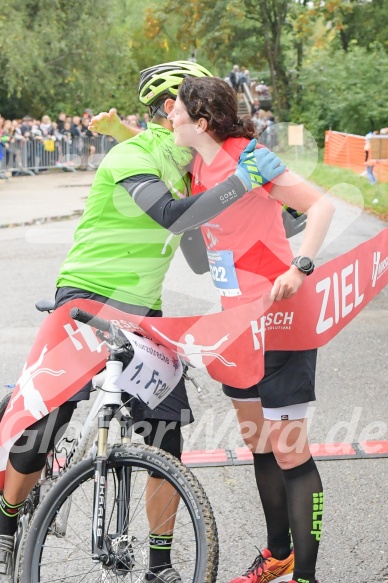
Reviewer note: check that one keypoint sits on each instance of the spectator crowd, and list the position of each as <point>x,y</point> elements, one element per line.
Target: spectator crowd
<point>34,144</point>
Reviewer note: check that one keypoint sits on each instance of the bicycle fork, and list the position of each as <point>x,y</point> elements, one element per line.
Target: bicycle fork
<point>99,546</point>
<point>103,548</point>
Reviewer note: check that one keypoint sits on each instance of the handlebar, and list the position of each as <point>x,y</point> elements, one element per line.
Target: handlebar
<point>105,326</point>
<point>91,320</point>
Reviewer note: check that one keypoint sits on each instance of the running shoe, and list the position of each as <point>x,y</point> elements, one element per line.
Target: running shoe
<point>265,569</point>
<point>168,575</point>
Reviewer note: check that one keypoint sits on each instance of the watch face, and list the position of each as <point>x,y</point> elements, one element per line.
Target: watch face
<point>304,263</point>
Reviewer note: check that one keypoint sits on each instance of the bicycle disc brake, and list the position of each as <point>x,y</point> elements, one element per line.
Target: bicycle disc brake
<point>122,558</point>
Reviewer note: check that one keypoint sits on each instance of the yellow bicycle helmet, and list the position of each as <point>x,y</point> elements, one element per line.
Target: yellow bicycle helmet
<point>166,78</point>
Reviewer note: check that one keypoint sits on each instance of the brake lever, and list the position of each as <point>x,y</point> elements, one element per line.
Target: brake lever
<point>192,379</point>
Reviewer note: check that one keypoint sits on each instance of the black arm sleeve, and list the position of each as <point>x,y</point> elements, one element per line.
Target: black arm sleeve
<point>194,250</point>
<point>154,198</point>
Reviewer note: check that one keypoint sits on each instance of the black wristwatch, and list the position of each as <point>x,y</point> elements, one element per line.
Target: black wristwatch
<point>304,264</point>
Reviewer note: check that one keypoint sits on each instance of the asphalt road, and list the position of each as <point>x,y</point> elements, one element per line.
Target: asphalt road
<point>352,400</point>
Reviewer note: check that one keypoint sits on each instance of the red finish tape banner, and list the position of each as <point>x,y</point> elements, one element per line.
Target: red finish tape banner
<point>230,345</point>
<point>329,298</point>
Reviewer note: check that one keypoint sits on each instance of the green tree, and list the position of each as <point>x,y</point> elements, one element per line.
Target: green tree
<point>347,94</point>
<point>364,21</point>
<point>270,17</point>
<point>73,53</point>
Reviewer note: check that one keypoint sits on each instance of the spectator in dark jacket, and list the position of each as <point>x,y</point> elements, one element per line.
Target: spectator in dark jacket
<point>26,127</point>
<point>75,127</point>
<point>234,77</point>
<point>60,120</point>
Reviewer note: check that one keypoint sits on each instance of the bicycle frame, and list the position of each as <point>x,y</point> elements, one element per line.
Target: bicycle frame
<point>107,405</point>
<point>104,409</point>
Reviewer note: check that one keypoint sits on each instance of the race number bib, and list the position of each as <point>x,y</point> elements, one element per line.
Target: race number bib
<point>223,272</point>
<point>153,372</point>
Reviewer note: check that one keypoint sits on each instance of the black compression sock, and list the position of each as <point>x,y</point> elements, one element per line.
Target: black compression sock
<point>305,508</point>
<point>8,516</point>
<point>160,552</point>
<point>270,483</point>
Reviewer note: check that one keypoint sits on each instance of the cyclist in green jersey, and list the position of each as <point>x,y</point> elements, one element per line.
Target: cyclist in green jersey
<point>120,256</point>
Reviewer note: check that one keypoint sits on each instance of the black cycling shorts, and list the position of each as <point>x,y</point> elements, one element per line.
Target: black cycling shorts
<point>289,379</point>
<point>175,407</point>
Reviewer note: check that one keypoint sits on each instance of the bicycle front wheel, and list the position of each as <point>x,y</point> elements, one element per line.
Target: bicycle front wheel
<point>63,554</point>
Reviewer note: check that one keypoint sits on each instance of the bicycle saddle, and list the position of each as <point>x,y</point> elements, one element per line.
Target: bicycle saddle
<point>45,305</point>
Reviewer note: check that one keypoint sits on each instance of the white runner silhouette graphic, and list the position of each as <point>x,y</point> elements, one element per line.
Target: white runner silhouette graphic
<point>33,401</point>
<point>195,352</point>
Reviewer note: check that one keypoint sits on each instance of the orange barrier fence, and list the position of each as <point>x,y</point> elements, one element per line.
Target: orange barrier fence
<point>347,151</point>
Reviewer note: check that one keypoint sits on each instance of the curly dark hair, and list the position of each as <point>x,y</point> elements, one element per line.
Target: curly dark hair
<point>213,99</point>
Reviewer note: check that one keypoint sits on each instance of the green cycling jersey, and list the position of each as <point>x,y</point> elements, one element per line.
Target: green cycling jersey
<point>119,251</point>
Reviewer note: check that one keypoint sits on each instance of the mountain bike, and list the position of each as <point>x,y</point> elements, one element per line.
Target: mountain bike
<point>89,518</point>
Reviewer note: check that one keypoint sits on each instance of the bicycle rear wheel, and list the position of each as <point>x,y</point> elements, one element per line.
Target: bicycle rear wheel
<point>48,557</point>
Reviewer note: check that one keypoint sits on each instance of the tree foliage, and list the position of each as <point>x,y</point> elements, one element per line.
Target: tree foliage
<point>363,21</point>
<point>347,94</point>
<point>62,53</point>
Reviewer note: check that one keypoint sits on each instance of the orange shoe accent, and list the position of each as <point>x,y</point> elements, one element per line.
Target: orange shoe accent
<point>265,569</point>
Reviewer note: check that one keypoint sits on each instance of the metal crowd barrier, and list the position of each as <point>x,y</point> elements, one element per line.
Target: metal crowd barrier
<point>28,157</point>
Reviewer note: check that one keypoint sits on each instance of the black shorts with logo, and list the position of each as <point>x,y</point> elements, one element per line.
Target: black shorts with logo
<point>289,379</point>
<point>175,407</point>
